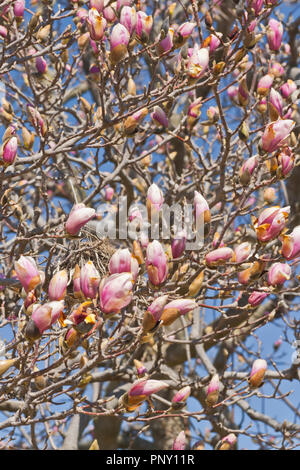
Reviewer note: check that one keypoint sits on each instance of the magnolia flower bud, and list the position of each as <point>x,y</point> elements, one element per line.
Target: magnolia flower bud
<point>9,150</point>
<point>247,170</point>
<point>154,312</point>
<point>109,193</point>
<point>128,18</point>
<point>96,24</point>
<point>122,261</point>
<point>259,368</point>
<point>36,120</point>
<point>178,244</point>
<point>167,43</point>
<point>43,316</point>
<point>6,364</point>
<point>119,40</point>
<point>182,395</point>
<point>212,42</point>
<point>269,195</point>
<point>179,442</point>
<point>115,292</point>
<point>3,31</point>
<point>143,26</point>
<point>286,162</point>
<point>139,391</point>
<point>242,252</point>
<point>276,105</point>
<point>159,117</point>
<point>27,273</point>
<point>41,65</point>
<point>288,88</point>
<point>219,256</point>
<point>212,394</point>
<point>201,208</point>
<point>194,111</point>
<point>243,93</point>
<point>291,244</point>
<point>156,263</point>
<point>228,442</point>
<point>256,298</point>
<point>256,5</point>
<point>19,7</point>
<point>196,284</point>
<point>183,33</point>
<point>276,133</point>
<point>78,217</point>
<point>132,122</point>
<point>279,273</point>
<point>89,280</point>
<point>155,199</point>
<point>175,309</point>
<point>264,84</point>
<point>98,4</point>
<point>58,285</point>
<point>274,34</point>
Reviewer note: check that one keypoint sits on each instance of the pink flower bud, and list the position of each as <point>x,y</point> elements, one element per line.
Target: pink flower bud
<point>194,111</point>
<point>96,24</point>
<point>76,283</point>
<point>178,244</point>
<point>182,395</point>
<point>219,256</point>
<point>123,3</point>
<point>78,217</point>
<point>247,169</point>
<point>279,273</point>
<point>109,14</point>
<point>98,4</point>
<point>153,313</point>
<point>276,133</point>
<point>143,25</point>
<point>256,298</point>
<point>115,292</point>
<point>276,69</point>
<point>183,33</point>
<point>175,309</point>
<point>212,394</point>
<point>19,7</point>
<point>43,316</point>
<point>288,88</point>
<point>122,261</point>
<point>89,280</point>
<point>274,34</point>
<point>27,273</point>
<point>286,161</point>
<point>243,93</point>
<point>271,222</point>
<point>159,117</point>
<point>3,31</point>
<point>119,40</point>
<point>232,92</point>
<point>269,195</point>
<point>256,5</point>
<point>179,443</point>
<point>201,208</point>
<point>140,368</point>
<point>291,244</point>
<point>157,263</point>
<point>41,65</point>
<point>258,371</point>
<point>109,193</point>
<point>197,62</point>
<point>128,18</point>
<point>264,84</point>
<point>167,43</point>
<point>36,120</point>
<point>212,42</point>
<point>277,344</point>
<point>146,387</point>
<point>228,442</point>
<point>242,252</point>
<point>58,285</point>
<point>9,150</point>
<point>277,104</point>
<point>155,198</point>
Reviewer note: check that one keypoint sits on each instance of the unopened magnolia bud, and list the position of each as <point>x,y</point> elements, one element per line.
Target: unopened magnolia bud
<point>196,284</point>
<point>257,373</point>
<point>180,442</point>
<point>228,442</point>
<point>6,364</point>
<point>212,394</point>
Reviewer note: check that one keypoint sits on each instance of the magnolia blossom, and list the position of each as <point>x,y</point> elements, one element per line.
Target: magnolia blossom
<point>9,150</point>
<point>291,244</point>
<point>128,18</point>
<point>276,133</point>
<point>219,256</point>
<point>212,394</point>
<point>123,261</point>
<point>264,84</point>
<point>115,292</point>
<point>274,34</point>
<point>143,25</point>
<point>178,244</point>
<point>139,391</point>
<point>27,272</point>
<point>78,217</point>
<point>89,280</point>
<point>242,252</point>
<point>201,208</point>
<point>288,88</point>
<point>182,395</point>
<point>96,24</point>
<point>271,222</point>
<point>228,442</point>
<point>257,298</point>
<point>279,273</point>
<point>156,263</point>
<point>119,40</point>
<point>159,117</point>
<point>179,442</point>
<point>43,316</point>
<point>174,309</point>
<point>58,285</point>
<point>154,312</point>
<point>247,169</point>
<point>197,62</point>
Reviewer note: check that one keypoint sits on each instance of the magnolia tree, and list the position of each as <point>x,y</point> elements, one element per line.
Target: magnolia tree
<point>150,237</point>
